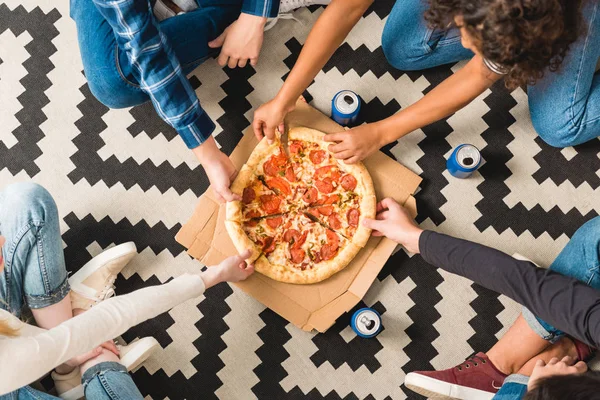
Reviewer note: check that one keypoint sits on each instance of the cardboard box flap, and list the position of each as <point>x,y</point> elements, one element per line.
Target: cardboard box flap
<point>315,306</point>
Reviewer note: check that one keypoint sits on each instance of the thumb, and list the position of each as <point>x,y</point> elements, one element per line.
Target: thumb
<point>218,42</point>
<point>373,224</point>
<point>245,254</point>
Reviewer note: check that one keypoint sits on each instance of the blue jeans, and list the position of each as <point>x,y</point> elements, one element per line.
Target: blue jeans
<point>35,276</point>
<point>564,105</point>
<point>579,259</point>
<point>112,79</point>
<point>103,381</point>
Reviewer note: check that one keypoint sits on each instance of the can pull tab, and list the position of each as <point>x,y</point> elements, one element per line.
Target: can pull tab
<point>368,323</point>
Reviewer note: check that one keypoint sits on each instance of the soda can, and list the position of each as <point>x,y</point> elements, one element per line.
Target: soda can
<point>345,107</point>
<point>366,322</point>
<point>464,160</point>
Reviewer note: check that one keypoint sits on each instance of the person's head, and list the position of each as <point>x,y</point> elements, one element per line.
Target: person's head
<point>573,387</point>
<point>525,37</point>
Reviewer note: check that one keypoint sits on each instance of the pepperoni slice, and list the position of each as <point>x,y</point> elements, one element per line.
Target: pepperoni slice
<point>270,203</point>
<point>310,196</point>
<point>279,184</point>
<point>352,216</point>
<point>280,159</point>
<point>297,255</point>
<point>289,174</point>
<point>300,240</point>
<point>332,199</point>
<point>348,182</point>
<point>251,223</point>
<point>291,234</point>
<point>324,186</point>
<point>334,221</point>
<point>326,210</point>
<point>268,245</point>
<point>295,147</point>
<point>327,252</point>
<point>317,257</point>
<point>333,240</point>
<point>317,156</point>
<point>270,168</point>
<point>248,195</point>
<point>274,222</point>
<point>322,172</point>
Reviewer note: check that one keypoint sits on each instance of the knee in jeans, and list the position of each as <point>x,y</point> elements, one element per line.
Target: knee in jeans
<point>32,198</point>
<point>555,136</point>
<point>400,52</point>
<point>554,127</point>
<point>112,91</point>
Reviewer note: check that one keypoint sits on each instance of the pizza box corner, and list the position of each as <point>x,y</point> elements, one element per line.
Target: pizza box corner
<point>315,306</point>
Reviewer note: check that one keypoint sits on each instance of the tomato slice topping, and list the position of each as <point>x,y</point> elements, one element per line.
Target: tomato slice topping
<point>311,195</point>
<point>289,174</point>
<point>248,195</point>
<point>280,185</point>
<point>274,222</point>
<point>334,221</point>
<point>270,203</point>
<point>348,182</point>
<point>317,156</point>
<point>326,210</point>
<point>352,216</point>
<point>324,186</point>
<point>297,255</point>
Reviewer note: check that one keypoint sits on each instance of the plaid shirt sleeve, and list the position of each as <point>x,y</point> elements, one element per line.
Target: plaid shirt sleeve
<point>261,8</point>
<point>158,68</point>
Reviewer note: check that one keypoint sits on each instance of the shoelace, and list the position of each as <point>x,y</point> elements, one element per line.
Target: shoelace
<point>273,22</point>
<point>471,360</point>
<point>106,293</point>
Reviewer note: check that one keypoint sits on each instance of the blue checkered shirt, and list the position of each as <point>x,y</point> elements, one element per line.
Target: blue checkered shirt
<point>160,74</point>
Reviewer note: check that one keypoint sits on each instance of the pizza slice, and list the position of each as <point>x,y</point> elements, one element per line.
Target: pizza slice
<point>307,252</point>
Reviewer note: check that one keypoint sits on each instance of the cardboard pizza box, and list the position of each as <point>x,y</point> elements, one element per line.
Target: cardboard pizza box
<point>315,306</point>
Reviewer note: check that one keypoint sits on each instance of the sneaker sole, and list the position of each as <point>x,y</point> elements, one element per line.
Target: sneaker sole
<point>436,389</point>
<point>134,358</point>
<point>102,259</point>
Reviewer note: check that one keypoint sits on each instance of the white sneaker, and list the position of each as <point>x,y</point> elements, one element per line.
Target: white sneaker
<point>135,353</point>
<point>286,6</point>
<point>94,282</point>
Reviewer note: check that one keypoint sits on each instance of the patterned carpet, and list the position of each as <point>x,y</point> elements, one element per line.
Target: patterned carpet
<point>120,175</point>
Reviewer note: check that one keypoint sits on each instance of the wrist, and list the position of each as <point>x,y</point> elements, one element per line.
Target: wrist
<point>285,101</point>
<point>212,276</point>
<point>385,131</point>
<point>256,20</point>
<point>207,152</point>
<point>412,244</point>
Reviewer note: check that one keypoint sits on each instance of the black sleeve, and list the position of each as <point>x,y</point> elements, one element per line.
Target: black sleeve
<point>563,302</point>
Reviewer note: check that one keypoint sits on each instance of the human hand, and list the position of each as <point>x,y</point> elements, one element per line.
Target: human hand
<point>241,41</point>
<point>355,144</point>
<point>269,117</point>
<point>219,169</point>
<point>80,359</point>
<point>394,222</point>
<point>232,269</point>
<point>566,366</point>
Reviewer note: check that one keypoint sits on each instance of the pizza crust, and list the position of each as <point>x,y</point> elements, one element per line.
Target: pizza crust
<point>241,241</point>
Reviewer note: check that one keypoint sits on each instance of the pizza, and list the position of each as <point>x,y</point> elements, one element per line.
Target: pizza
<point>301,212</point>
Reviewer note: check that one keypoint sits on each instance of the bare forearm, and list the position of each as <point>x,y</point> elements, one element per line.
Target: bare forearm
<point>447,98</point>
<point>328,33</point>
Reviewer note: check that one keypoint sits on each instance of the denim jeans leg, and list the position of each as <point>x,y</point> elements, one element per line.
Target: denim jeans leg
<point>190,33</point>
<point>34,271</point>
<point>109,381</point>
<point>579,259</point>
<point>514,388</point>
<point>565,105</point>
<point>28,393</point>
<point>409,44</point>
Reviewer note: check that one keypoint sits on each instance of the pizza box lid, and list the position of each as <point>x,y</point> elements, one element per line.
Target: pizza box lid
<point>315,306</point>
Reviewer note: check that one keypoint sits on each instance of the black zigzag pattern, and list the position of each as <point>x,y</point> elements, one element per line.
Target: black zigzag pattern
<point>553,165</point>
<point>22,156</point>
<point>495,212</point>
<point>90,166</point>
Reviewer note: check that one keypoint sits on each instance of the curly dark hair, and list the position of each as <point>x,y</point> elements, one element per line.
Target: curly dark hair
<point>525,37</point>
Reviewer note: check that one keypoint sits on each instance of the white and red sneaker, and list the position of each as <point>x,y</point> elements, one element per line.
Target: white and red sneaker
<point>475,379</point>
